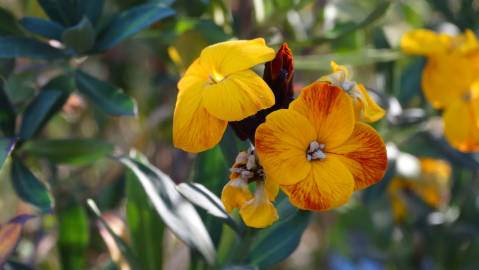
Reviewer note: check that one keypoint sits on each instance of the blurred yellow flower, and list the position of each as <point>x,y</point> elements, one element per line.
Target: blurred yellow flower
<point>432,186</point>
<point>450,80</point>
<point>220,87</point>
<point>317,152</point>
<point>364,106</point>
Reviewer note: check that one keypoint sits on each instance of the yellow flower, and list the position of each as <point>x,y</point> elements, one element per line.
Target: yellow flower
<point>259,212</point>
<point>450,81</point>
<point>432,186</point>
<point>364,106</point>
<point>235,194</point>
<point>317,152</point>
<point>220,87</point>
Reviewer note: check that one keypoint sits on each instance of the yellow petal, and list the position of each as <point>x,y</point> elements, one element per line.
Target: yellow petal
<point>364,154</point>
<point>468,42</point>
<point>232,56</point>
<point>235,194</point>
<point>461,124</point>
<point>238,96</point>
<point>329,185</point>
<point>395,189</point>
<point>281,145</point>
<point>271,187</point>
<point>433,186</point>
<point>194,129</point>
<point>371,111</point>
<point>446,78</point>
<point>259,212</point>
<point>329,109</point>
<point>425,42</point>
<point>196,74</point>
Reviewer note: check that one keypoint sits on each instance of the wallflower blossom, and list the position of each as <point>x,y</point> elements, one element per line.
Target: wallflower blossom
<point>220,87</point>
<point>364,106</point>
<point>256,211</point>
<point>316,150</point>
<point>432,186</point>
<point>450,81</point>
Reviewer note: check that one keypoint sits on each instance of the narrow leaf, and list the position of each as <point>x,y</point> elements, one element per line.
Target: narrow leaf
<point>69,151</point>
<point>54,10</point>
<point>80,37</point>
<point>130,22</point>
<point>202,197</point>
<point>10,234</point>
<point>7,113</point>
<point>177,213</point>
<point>108,98</point>
<point>42,27</point>
<point>12,47</point>
<point>6,147</point>
<point>29,188</point>
<point>8,24</point>
<point>73,236</point>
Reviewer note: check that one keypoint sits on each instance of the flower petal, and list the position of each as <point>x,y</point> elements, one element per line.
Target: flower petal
<point>330,111</point>
<point>271,187</point>
<point>371,111</point>
<point>235,194</point>
<point>364,154</point>
<point>232,56</point>
<point>461,124</point>
<point>194,129</point>
<point>425,42</point>
<point>259,212</point>
<point>238,96</point>
<point>281,145</point>
<point>328,185</point>
<point>194,75</point>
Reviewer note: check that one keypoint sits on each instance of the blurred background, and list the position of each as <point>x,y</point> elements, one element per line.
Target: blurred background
<point>423,215</point>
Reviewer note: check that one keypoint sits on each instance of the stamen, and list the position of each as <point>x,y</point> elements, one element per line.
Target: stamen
<point>315,151</point>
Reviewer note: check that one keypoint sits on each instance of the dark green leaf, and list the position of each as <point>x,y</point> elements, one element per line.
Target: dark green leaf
<point>276,243</point>
<point>7,113</point>
<point>6,147</point>
<point>29,188</point>
<point>42,27</point>
<point>143,222</point>
<point>12,47</point>
<point>6,67</point>
<point>90,8</point>
<point>80,37</point>
<point>177,213</point>
<point>120,243</point>
<point>69,151</point>
<point>10,234</point>
<point>8,24</point>
<point>108,98</point>
<point>130,22</point>
<point>73,236</point>
<point>54,10</point>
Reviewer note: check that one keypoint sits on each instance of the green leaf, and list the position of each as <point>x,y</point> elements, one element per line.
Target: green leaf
<point>29,188</point>
<point>10,234</point>
<point>177,213</point>
<point>40,110</point>
<point>69,151</point>
<point>143,222</point>
<point>6,147</point>
<point>274,244</point>
<point>8,24</point>
<point>90,8</point>
<point>42,27</point>
<point>12,47</point>
<point>130,22</point>
<point>107,97</point>
<point>80,37</point>
<point>7,113</point>
<point>120,243</point>
<point>13,265</point>
<point>73,236</point>
<point>6,67</point>
<point>54,10</point>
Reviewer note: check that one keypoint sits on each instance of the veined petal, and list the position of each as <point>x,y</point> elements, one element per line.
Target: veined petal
<point>328,185</point>
<point>281,145</point>
<point>238,55</point>
<point>425,42</point>
<point>364,154</point>
<point>235,194</point>
<point>461,124</point>
<point>238,96</point>
<point>446,78</point>
<point>194,129</point>
<point>371,111</point>
<point>196,74</point>
<point>330,111</point>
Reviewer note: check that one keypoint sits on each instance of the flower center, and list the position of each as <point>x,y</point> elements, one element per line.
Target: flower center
<point>216,77</point>
<point>315,151</point>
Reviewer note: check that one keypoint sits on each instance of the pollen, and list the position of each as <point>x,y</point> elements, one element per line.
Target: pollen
<point>315,151</point>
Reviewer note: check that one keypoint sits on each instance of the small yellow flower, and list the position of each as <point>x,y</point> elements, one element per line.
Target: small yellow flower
<point>317,152</point>
<point>220,87</point>
<point>259,212</point>
<point>365,107</point>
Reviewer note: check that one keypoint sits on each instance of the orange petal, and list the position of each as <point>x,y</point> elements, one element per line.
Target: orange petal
<point>330,111</point>
<point>461,124</point>
<point>281,145</point>
<point>425,42</point>
<point>328,185</point>
<point>364,154</point>
<point>194,129</point>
